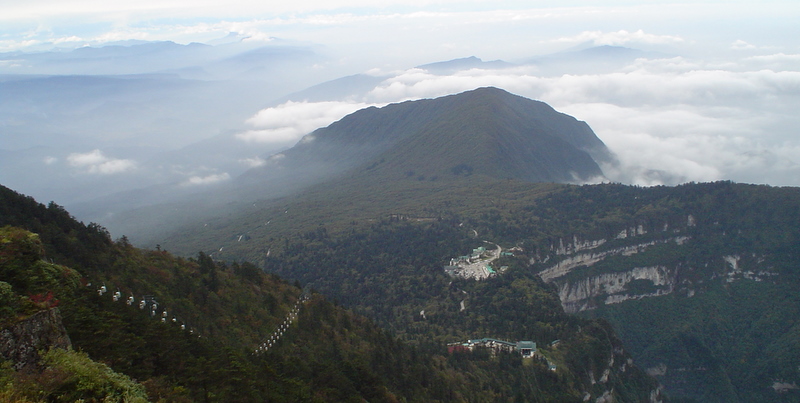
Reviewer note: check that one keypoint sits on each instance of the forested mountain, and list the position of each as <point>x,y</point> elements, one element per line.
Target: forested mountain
<point>483,132</point>
<point>487,131</point>
<point>198,343</point>
<point>698,279</point>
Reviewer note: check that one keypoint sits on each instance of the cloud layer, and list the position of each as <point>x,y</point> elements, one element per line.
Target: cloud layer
<point>669,120</point>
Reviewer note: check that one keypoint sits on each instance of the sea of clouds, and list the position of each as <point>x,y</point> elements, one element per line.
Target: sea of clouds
<point>669,120</point>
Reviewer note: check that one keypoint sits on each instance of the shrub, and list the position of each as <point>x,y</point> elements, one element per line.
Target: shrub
<point>72,376</point>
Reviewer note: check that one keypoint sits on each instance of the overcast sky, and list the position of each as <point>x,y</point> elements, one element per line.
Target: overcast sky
<point>720,104</point>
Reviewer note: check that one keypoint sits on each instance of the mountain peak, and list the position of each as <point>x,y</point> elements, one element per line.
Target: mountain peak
<point>493,132</point>
<point>486,131</point>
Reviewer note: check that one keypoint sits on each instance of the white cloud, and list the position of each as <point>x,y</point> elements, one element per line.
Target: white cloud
<point>67,39</point>
<point>50,160</point>
<point>113,167</point>
<point>741,45</point>
<point>94,162</point>
<point>775,62</point>
<point>10,63</point>
<point>91,158</point>
<point>621,37</point>
<point>778,57</point>
<point>279,135</point>
<point>253,162</point>
<point>288,122</point>
<point>206,180</point>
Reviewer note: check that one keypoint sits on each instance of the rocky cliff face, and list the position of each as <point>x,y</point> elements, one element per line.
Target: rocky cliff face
<point>22,342</point>
<point>582,287</point>
<point>566,265</point>
<point>601,375</point>
<point>579,293</point>
<point>613,288</point>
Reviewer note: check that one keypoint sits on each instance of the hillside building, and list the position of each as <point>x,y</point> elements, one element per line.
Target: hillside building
<point>525,348</point>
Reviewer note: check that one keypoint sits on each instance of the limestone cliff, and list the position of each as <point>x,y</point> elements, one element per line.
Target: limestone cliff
<point>581,285</point>
<point>22,342</point>
<point>564,266</point>
<point>580,295</point>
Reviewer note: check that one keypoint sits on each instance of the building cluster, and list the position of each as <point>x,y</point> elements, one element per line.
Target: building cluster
<point>526,348</point>
<point>475,256</point>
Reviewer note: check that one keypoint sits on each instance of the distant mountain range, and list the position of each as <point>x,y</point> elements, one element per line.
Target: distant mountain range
<point>590,60</point>
<point>236,58</point>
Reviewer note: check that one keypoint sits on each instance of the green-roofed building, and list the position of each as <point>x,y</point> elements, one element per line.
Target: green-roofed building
<point>526,348</point>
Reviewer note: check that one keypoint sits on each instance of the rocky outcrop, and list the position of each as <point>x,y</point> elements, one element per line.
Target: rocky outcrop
<point>566,265</point>
<point>580,295</point>
<point>603,388</point>
<point>587,289</point>
<point>613,287</point>
<point>22,342</point>
<point>576,245</point>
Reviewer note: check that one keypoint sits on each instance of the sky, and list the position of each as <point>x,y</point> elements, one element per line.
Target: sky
<point>494,29</point>
<point>718,101</point>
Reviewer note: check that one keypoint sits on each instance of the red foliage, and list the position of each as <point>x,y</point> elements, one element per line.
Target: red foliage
<point>44,301</point>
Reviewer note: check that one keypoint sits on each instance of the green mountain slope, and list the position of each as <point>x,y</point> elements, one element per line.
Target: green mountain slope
<point>417,157</point>
<point>326,354</point>
<point>698,279</point>
<point>390,269</point>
